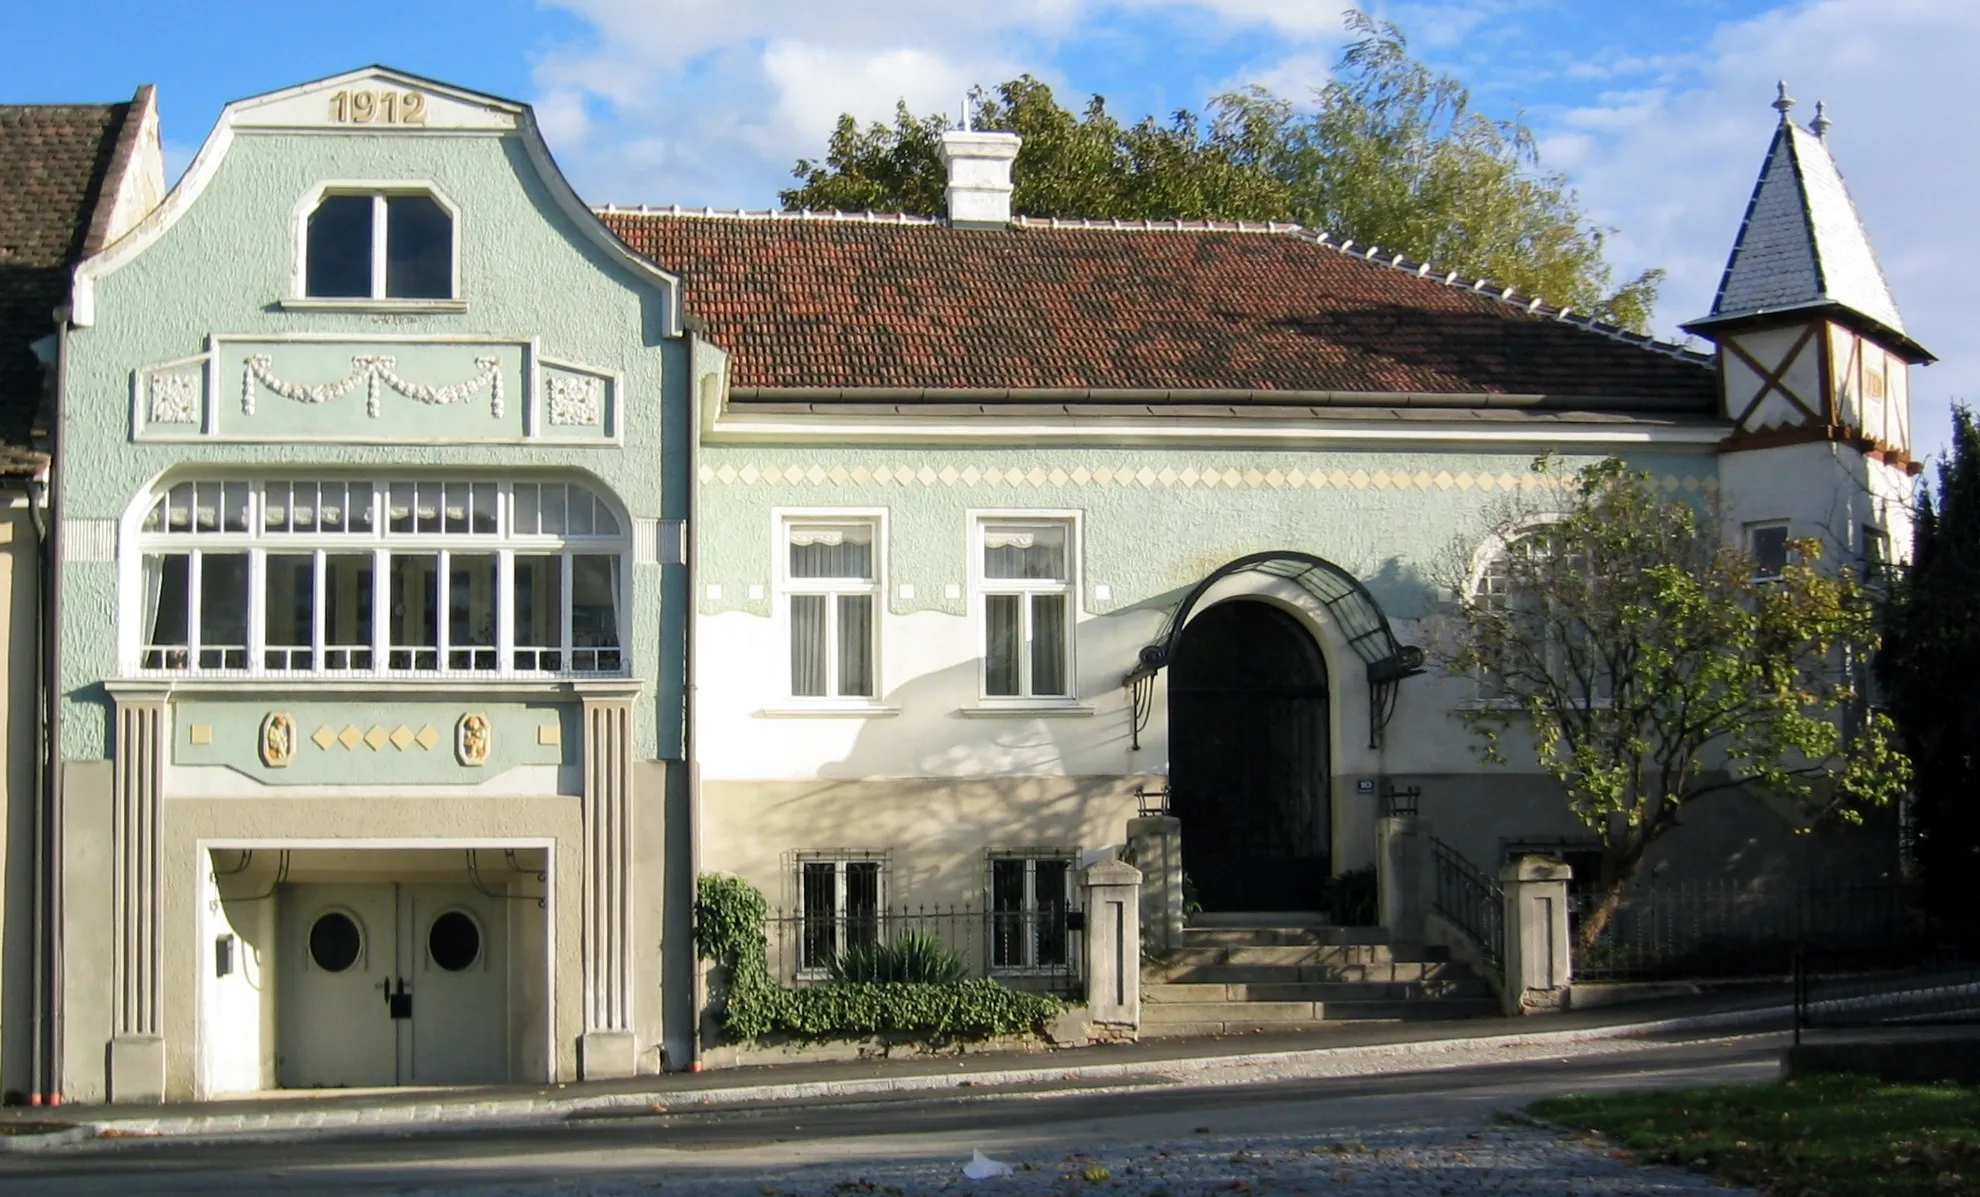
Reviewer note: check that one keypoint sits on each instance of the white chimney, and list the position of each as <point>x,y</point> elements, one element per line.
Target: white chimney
<point>979,177</point>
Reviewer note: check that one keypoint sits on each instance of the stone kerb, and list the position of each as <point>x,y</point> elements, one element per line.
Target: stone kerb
<point>1111,897</point>
<point>1538,965</point>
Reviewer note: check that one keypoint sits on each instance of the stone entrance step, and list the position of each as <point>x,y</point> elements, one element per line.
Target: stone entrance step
<point>1166,993</point>
<point>1258,972</point>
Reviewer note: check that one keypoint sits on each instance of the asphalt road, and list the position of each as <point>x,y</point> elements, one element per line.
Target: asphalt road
<point>832,1145</point>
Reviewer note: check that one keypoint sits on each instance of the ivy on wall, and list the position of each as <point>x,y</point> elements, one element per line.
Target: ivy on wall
<point>728,930</point>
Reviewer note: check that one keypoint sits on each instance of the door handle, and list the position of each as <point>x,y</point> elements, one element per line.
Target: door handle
<point>399,1002</point>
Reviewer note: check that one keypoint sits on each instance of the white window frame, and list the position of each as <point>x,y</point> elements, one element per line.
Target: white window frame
<point>1490,555</point>
<point>504,544</point>
<point>982,587</point>
<point>782,522</point>
<point>1746,535</point>
<point>1029,912</point>
<point>812,969</point>
<point>299,296</point>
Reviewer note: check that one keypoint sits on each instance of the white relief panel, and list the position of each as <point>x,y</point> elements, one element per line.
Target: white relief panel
<point>175,399</point>
<point>576,401</point>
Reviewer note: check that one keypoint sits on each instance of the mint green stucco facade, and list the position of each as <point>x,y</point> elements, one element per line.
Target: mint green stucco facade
<point>503,465</point>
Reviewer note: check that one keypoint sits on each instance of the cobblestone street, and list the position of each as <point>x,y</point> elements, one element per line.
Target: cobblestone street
<point>1441,1160</point>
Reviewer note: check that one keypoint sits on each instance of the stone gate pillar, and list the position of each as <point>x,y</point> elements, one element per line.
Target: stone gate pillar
<point>1155,841</point>
<point>1538,966</point>
<point>1112,898</point>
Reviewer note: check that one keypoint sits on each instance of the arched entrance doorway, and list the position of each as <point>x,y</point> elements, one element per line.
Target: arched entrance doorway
<point>1249,758</point>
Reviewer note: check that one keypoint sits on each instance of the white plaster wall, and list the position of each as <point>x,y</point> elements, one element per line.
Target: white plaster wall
<point>233,1009</point>
<point>1824,490</point>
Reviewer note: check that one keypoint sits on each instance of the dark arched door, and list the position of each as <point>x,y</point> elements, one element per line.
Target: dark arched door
<point>1248,758</point>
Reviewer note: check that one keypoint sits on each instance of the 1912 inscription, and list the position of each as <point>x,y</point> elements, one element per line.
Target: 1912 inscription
<point>384,107</point>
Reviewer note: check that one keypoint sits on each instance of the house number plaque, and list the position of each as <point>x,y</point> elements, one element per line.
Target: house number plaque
<point>364,106</point>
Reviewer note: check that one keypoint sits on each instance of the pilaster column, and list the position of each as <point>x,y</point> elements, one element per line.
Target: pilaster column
<point>608,1048</point>
<point>137,1046</point>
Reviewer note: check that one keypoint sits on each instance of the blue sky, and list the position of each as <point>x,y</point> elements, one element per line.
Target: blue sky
<point>1657,109</point>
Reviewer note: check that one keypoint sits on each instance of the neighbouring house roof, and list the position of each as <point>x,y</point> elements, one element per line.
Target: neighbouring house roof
<point>825,305</point>
<point>1802,245</point>
<point>55,161</point>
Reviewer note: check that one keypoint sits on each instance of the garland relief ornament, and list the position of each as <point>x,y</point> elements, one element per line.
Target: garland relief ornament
<point>375,372</point>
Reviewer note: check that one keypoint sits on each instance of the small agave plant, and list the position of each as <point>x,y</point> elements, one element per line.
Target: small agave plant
<point>910,956</point>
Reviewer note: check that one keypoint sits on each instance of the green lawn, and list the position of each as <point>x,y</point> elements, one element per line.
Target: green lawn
<point>1833,1136</point>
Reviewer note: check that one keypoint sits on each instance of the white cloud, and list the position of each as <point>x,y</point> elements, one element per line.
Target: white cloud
<point>711,101</point>
<point>1672,166</point>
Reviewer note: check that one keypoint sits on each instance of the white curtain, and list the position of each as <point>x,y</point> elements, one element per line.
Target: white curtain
<point>808,645</point>
<point>856,645</point>
<point>832,552</point>
<point>1048,644</point>
<point>1037,554</point>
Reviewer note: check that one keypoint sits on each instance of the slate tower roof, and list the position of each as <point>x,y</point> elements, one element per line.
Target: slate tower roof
<point>1802,246</point>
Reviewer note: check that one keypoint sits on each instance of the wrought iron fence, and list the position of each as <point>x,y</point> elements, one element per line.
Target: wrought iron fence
<point>1726,928</point>
<point>1471,900</point>
<point>1039,948</point>
<point>1860,987</point>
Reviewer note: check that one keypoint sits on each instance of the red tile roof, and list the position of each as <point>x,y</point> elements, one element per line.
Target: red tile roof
<point>53,161</point>
<point>824,302</point>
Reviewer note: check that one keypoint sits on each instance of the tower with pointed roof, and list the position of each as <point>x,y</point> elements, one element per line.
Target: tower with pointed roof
<point>1814,358</point>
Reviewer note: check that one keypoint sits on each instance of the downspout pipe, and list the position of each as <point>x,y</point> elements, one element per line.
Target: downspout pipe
<point>50,1023</point>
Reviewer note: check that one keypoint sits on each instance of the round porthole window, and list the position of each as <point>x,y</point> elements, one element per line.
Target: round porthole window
<point>454,941</point>
<point>334,942</point>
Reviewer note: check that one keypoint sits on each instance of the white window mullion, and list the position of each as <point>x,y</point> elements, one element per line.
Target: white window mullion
<point>381,609</point>
<point>319,585</point>
<point>378,246</point>
<point>564,615</point>
<point>505,604</point>
<point>831,644</point>
<point>193,570</point>
<point>443,588</point>
<point>257,600</point>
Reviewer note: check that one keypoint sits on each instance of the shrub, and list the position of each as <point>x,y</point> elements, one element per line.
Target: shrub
<point>1351,899</point>
<point>912,957</point>
<point>728,929</point>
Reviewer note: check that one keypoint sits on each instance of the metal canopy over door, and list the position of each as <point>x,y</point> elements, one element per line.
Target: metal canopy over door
<point>1249,758</point>
<point>384,984</point>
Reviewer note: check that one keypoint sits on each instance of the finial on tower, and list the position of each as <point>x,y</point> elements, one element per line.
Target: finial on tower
<point>1820,125</point>
<point>971,99</point>
<point>1783,102</point>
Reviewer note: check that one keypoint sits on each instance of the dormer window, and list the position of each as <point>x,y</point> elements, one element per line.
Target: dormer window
<point>379,245</point>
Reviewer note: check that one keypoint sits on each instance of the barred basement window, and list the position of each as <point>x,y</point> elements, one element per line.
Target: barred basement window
<point>1030,894</point>
<point>405,577</point>
<point>839,897</point>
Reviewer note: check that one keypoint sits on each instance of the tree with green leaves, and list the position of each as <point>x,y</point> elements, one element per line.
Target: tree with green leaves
<point>1390,152</point>
<point>1647,668</point>
<point>1931,656</point>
